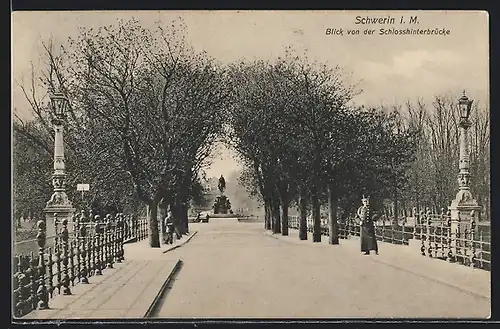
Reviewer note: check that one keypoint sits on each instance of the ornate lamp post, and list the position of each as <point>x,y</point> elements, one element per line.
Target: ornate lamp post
<point>463,203</point>
<point>59,202</point>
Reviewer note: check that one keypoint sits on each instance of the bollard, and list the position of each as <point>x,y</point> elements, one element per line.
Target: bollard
<point>43,297</point>
<point>65,237</point>
<point>83,273</point>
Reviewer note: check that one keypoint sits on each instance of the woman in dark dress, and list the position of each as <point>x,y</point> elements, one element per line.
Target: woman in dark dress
<point>367,234</point>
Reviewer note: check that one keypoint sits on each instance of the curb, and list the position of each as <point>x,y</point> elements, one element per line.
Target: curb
<point>158,297</point>
<point>181,244</point>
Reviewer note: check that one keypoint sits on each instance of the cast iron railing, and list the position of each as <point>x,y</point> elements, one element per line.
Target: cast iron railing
<point>80,249</point>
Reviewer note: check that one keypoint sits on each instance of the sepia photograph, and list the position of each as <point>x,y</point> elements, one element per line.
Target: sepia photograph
<point>255,164</point>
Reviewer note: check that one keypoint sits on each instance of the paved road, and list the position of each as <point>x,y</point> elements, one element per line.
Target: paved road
<point>233,270</point>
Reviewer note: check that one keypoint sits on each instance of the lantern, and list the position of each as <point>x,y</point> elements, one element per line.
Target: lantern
<point>59,104</point>
<point>464,104</point>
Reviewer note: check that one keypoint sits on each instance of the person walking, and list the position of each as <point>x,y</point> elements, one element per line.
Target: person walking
<point>367,234</point>
<point>169,228</point>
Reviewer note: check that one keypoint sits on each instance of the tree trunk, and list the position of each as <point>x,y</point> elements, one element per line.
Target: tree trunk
<point>154,237</point>
<point>275,208</point>
<point>284,216</point>
<point>267,214</point>
<point>302,214</point>
<point>176,213</point>
<point>396,207</point>
<point>333,237</point>
<point>163,214</point>
<point>184,217</point>
<point>316,212</point>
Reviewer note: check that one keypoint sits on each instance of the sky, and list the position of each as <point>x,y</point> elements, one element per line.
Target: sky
<point>388,69</point>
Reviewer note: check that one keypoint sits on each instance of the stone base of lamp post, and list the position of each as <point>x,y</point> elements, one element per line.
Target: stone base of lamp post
<point>62,213</point>
<point>463,204</point>
<point>460,213</point>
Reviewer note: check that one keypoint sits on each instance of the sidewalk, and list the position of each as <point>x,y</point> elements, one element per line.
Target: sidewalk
<point>129,290</point>
<point>136,249</point>
<point>476,282</point>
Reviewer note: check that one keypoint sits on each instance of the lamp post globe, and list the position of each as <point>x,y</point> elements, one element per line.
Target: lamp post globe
<point>464,104</point>
<point>59,104</point>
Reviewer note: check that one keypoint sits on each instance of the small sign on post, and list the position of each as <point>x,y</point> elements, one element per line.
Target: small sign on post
<point>82,187</point>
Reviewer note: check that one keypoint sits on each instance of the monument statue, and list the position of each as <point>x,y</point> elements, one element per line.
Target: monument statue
<point>222,184</point>
<point>221,203</point>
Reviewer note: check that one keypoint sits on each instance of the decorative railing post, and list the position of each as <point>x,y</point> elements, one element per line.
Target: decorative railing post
<point>65,237</point>
<point>82,234</point>
<point>121,223</point>
<point>43,296</point>
<point>109,242</point>
<point>429,230</point>
<point>423,219</point>
<point>138,224</point>
<point>32,274</point>
<point>393,224</point>
<point>19,279</point>
<point>456,238</point>
<point>90,251</point>
<point>415,221</point>
<point>50,274</point>
<point>135,229</point>
<point>97,247</point>
<point>76,230</point>
<point>449,254</point>
<point>116,240</point>
<point>102,244</point>
<point>71,255</point>
<point>472,257</point>
<point>442,223</point>
<point>481,246</point>
<point>142,229</point>
<point>383,229</point>
<point>58,253</point>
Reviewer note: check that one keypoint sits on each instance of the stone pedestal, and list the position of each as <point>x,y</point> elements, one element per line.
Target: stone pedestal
<point>62,212</point>
<point>461,208</point>
<point>221,205</point>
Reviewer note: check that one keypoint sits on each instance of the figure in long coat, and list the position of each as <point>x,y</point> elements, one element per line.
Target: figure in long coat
<point>367,234</point>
